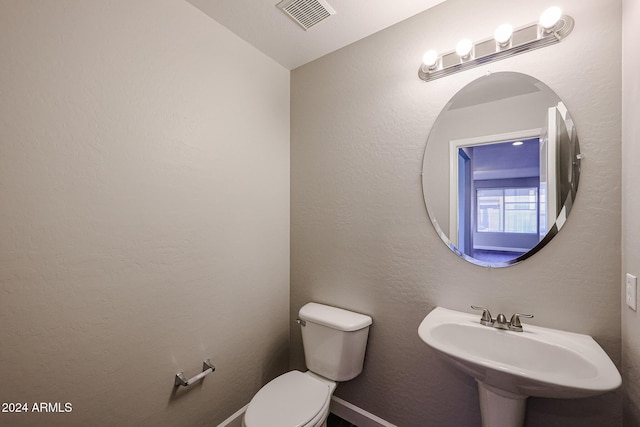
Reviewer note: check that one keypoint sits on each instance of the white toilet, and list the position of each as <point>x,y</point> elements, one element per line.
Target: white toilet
<point>334,345</point>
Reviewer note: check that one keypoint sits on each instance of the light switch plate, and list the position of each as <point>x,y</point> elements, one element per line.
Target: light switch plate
<point>632,286</point>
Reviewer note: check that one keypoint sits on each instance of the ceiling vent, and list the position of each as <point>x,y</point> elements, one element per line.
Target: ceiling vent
<point>306,13</point>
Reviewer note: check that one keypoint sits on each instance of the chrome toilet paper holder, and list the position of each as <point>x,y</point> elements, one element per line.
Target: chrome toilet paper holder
<point>207,368</point>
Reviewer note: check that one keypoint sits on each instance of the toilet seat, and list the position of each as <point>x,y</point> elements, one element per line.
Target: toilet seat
<point>293,399</point>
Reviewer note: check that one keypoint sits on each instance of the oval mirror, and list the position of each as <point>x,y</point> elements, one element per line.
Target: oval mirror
<point>501,169</point>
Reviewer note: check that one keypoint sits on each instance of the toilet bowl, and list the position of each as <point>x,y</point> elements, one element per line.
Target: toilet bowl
<point>334,342</point>
<point>292,399</point>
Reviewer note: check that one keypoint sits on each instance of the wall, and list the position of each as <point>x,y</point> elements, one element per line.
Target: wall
<point>630,206</point>
<point>144,213</point>
<point>361,238</point>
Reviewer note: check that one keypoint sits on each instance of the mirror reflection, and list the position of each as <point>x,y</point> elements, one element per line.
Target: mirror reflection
<point>501,169</point>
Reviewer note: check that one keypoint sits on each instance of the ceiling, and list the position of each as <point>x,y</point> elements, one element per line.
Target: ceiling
<point>266,27</point>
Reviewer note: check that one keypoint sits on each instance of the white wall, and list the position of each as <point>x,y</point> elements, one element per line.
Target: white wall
<point>361,238</point>
<point>630,205</point>
<point>144,213</point>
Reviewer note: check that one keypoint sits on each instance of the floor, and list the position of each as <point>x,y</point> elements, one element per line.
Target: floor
<point>495,256</point>
<point>336,421</point>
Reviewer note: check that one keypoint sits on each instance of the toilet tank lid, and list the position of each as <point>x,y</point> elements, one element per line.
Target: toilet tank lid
<point>333,317</point>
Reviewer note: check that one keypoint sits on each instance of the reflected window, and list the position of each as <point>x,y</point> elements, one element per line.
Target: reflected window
<point>507,210</point>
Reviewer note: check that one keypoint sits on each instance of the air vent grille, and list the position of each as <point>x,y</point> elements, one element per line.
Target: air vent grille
<point>306,13</point>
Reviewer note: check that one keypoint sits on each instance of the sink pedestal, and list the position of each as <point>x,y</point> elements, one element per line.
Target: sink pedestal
<point>500,408</point>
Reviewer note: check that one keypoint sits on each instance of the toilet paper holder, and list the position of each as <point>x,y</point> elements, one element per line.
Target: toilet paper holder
<point>207,368</point>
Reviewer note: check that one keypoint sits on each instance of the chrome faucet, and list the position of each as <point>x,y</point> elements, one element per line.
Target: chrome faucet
<point>500,322</point>
<point>486,318</point>
<point>514,323</point>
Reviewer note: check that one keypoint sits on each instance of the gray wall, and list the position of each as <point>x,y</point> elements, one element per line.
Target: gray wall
<point>630,205</point>
<point>144,213</point>
<point>360,236</point>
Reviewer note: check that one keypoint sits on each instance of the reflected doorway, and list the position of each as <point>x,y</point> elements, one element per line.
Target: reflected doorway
<point>498,198</point>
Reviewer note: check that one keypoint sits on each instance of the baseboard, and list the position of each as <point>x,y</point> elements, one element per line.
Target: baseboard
<point>355,415</point>
<point>234,420</point>
<point>341,408</point>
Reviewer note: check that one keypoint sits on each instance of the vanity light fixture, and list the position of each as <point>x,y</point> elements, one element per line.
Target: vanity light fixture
<point>552,27</point>
<point>430,59</point>
<point>464,48</point>
<point>550,18</point>
<point>503,34</point>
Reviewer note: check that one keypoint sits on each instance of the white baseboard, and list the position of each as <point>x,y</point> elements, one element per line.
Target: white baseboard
<point>234,420</point>
<point>341,408</point>
<point>355,415</point>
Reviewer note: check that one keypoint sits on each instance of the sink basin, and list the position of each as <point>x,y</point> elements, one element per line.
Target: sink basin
<point>509,365</point>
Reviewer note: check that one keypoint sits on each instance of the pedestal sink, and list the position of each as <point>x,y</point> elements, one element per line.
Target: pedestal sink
<point>511,366</point>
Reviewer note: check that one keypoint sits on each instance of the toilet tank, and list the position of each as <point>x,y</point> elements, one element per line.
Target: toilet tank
<point>334,340</point>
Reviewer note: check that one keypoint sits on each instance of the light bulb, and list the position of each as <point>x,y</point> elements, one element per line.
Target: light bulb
<point>430,59</point>
<point>550,17</point>
<point>503,34</point>
<point>463,48</point>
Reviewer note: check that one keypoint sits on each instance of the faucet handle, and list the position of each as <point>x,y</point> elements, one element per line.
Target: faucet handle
<point>486,318</point>
<point>514,323</point>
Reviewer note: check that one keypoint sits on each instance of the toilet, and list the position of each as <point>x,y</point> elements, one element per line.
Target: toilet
<point>334,343</point>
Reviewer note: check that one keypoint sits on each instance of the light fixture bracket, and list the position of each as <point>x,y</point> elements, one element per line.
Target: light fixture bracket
<point>524,39</point>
